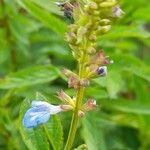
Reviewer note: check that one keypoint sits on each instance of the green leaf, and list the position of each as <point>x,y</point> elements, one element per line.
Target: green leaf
<point>49,6</point>
<point>54,130</point>
<point>112,82</point>
<point>131,64</point>
<point>96,92</point>
<point>18,30</point>
<point>123,65</point>
<point>42,136</point>
<point>29,76</point>
<point>141,14</point>
<point>126,119</point>
<point>92,136</point>
<point>45,17</point>
<point>126,106</point>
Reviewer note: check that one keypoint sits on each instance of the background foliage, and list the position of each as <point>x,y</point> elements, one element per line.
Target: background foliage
<point>33,50</point>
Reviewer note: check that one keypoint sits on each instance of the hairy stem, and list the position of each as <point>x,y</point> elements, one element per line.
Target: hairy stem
<point>74,122</point>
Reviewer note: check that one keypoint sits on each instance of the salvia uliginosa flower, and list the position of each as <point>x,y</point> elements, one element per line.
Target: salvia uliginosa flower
<point>102,71</point>
<point>40,113</point>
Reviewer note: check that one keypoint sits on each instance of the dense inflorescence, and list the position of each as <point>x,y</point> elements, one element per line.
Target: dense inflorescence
<point>89,19</point>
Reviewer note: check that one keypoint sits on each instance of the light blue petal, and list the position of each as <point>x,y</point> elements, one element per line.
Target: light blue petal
<point>40,103</point>
<point>35,116</point>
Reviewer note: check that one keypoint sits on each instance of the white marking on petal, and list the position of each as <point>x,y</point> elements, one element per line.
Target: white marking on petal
<point>55,109</point>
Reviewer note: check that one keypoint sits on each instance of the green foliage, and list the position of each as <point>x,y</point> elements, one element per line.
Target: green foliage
<point>91,136</point>
<point>32,51</point>
<point>49,20</point>
<point>27,77</point>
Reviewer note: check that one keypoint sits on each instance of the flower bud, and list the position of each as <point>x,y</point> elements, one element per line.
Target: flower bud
<point>81,113</point>
<point>66,107</point>
<point>65,98</point>
<point>117,12</point>
<point>102,71</point>
<point>99,58</point>
<point>70,37</point>
<point>91,50</point>
<point>73,79</point>
<point>91,71</point>
<point>87,8</point>
<point>77,54</point>
<point>89,105</point>
<point>73,82</point>
<point>80,34</point>
<point>108,3</point>
<point>84,82</point>
<point>104,29</point>
<point>92,37</point>
<point>104,21</point>
<point>67,8</point>
<point>96,12</point>
<point>68,73</point>
<point>93,5</point>
<point>89,24</point>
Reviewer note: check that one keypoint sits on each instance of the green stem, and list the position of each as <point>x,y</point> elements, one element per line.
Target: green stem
<point>74,122</point>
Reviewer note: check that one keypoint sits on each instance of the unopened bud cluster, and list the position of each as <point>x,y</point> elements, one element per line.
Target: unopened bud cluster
<point>90,20</point>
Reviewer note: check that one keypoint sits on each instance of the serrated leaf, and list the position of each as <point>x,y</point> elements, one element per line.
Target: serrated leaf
<point>92,136</point>
<point>55,133</point>
<point>45,17</point>
<point>43,136</point>
<point>29,76</point>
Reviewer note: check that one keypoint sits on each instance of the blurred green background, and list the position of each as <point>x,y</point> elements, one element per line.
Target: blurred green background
<point>32,52</point>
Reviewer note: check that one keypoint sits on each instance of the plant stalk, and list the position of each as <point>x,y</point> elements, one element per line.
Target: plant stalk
<point>74,122</point>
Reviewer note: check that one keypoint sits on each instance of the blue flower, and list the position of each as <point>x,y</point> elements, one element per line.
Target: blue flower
<point>39,113</point>
<point>102,71</point>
